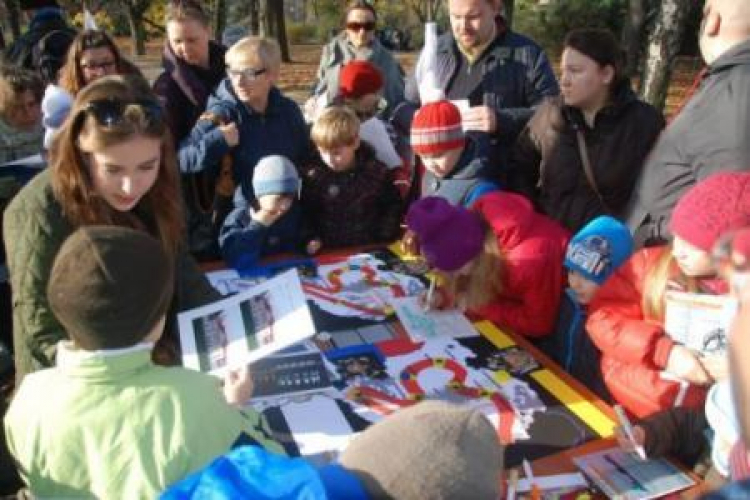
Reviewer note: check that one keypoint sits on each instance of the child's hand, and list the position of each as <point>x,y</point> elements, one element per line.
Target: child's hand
<point>639,434</point>
<point>313,246</point>
<point>410,243</point>
<point>717,366</point>
<point>685,364</point>
<point>265,217</point>
<point>435,302</point>
<point>238,386</point>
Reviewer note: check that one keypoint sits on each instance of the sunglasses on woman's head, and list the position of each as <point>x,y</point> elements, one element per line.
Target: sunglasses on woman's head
<point>111,112</point>
<point>355,26</point>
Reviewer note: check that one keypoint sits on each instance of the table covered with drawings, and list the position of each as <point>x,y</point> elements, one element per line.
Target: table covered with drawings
<point>371,365</point>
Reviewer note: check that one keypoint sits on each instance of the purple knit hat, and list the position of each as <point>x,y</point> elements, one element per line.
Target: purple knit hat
<point>449,236</point>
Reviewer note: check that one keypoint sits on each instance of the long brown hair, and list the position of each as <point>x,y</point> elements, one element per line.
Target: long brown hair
<point>658,280</point>
<point>160,209</point>
<point>71,74</point>
<point>485,279</point>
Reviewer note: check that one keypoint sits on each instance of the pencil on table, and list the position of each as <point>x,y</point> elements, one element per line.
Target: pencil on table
<point>430,293</point>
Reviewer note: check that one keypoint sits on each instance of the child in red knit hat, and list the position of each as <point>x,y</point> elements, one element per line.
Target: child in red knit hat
<point>644,369</point>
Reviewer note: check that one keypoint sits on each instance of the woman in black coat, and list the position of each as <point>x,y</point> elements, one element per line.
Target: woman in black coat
<point>598,116</point>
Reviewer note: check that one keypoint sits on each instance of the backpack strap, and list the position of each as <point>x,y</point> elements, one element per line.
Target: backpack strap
<point>587,170</point>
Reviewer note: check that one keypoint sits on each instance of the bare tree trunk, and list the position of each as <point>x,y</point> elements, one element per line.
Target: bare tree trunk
<point>663,46</point>
<point>14,16</point>
<point>254,18</point>
<point>135,11</point>
<point>219,18</point>
<point>280,29</point>
<point>632,35</point>
<point>509,6</point>
<point>264,18</point>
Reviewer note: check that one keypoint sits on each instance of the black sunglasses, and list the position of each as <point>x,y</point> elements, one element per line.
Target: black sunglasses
<point>110,112</point>
<point>355,26</point>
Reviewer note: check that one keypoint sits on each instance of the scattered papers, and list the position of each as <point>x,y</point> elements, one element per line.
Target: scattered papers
<point>245,327</point>
<point>374,133</point>
<point>228,281</point>
<point>421,324</point>
<point>699,321</point>
<point>557,481</point>
<point>624,476</point>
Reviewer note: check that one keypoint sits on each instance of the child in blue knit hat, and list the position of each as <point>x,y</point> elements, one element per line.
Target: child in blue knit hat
<point>269,224</point>
<point>592,256</point>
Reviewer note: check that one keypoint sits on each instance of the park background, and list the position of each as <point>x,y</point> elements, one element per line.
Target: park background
<point>659,38</point>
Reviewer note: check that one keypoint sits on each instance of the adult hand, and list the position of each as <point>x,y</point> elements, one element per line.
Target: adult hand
<point>717,366</point>
<point>238,386</point>
<point>684,363</point>
<point>231,134</point>
<point>480,118</point>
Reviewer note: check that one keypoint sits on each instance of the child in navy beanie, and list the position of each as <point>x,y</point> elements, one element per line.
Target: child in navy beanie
<point>592,256</point>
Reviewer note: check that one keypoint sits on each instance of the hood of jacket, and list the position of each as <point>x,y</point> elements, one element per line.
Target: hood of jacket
<point>510,216</point>
<point>185,76</point>
<point>739,54</point>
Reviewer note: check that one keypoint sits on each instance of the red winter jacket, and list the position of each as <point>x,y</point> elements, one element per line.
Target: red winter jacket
<point>635,348</point>
<point>533,248</point>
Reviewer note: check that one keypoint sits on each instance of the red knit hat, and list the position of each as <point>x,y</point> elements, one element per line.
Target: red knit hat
<point>436,128</point>
<point>718,204</point>
<point>358,78</point>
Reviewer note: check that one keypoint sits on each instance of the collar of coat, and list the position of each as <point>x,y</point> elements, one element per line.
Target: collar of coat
<point>185,76</point>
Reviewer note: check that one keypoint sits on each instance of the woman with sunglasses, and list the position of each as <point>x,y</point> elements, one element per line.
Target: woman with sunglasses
<point>112,163</point>
<point>357,41</point>
<point>91,56</point>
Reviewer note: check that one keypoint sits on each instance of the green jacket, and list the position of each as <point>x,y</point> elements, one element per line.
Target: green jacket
<point>34,229</point>
<point>111,424</point>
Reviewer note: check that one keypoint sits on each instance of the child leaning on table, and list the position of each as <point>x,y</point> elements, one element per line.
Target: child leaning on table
<point>593,254</point>
<point>272,223</point>
<point>500,261</point>
<point>626,317</point>
<point>107,422</point>
<point>348,196</point>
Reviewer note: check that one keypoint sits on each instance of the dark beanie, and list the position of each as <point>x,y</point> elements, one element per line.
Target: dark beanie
<point>432,450</point>
<point>109,286</point>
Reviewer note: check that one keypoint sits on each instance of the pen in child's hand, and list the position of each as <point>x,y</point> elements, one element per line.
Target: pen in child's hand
<point>430,292</point>
<point>628,428</point>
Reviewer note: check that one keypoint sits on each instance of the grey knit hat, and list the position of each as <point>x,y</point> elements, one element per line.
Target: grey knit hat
<point>275,175</point>
<point>432,450</point>
<point>109,286</point>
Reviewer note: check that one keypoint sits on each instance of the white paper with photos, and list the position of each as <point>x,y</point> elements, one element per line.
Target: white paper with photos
<point>242,328</point>
<point>699,321</point>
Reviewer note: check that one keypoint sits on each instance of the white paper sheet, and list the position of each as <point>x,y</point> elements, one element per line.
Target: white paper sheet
<point>421,324</point>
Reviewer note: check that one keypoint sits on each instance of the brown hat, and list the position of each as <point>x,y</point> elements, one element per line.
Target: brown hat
<point>109,286</point>
<point>432,450</point>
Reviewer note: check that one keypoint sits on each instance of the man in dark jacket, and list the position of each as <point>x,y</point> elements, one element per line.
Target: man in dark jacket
<point>711,134</point>
<point>500,73</point>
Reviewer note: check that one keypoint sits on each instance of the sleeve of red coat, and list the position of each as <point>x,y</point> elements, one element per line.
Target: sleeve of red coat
<point>616,322</point>
<point>533,286</point>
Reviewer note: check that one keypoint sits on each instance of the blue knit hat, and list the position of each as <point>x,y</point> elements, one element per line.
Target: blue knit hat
<point>275,175</point>
<point>599,248</point>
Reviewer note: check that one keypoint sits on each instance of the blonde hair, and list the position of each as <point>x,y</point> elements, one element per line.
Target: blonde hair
<point>259,51</point>
<point>485,279</point>
<point>657,282</point>
<point>337,126</point>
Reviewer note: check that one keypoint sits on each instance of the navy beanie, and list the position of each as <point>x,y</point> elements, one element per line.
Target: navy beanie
<point>599,248</point>
<point>275,175</point>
